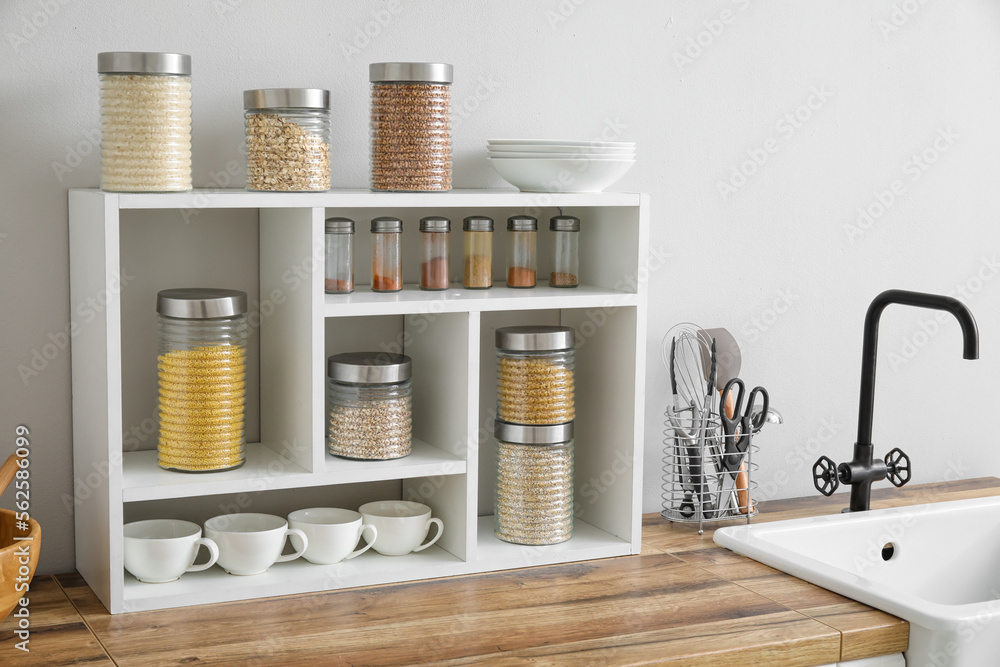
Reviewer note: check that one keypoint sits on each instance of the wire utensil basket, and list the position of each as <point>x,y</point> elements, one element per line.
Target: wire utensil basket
<point>702,482</point>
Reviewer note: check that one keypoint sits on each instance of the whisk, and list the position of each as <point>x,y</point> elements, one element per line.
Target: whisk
<point>688,353</point>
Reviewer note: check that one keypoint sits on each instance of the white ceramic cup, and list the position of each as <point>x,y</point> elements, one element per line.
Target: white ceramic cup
<point>161,550</point>
<point>333,533</point>
<point>249,543</point>
<point>402,526</point>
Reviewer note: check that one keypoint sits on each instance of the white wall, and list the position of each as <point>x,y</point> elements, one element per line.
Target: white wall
<point>551,68</point>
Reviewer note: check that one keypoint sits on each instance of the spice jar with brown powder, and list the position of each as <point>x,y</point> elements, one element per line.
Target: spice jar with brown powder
<point>535,374</point>
<point>339,259</point>
<point>387,262</point>
<point>478,252</point>
<point>565,251</point>
<point>522,259</point>
<point>434,233</point>
<point>202,378</point>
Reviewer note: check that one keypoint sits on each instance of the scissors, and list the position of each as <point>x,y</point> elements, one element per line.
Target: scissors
<point>737,431</point>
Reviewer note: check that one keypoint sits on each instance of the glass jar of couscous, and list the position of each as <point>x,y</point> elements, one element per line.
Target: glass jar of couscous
<point>202,378</point>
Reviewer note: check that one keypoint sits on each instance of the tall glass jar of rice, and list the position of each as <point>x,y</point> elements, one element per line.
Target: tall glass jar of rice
<point>202,378</point>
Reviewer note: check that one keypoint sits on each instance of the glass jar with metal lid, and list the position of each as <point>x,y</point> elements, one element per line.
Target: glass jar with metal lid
<point>339,269</point>
<point>288,139</point>
<point>369,396</point>
<point>534,493</point>
<point>478,252</point>
<point>202,378</point>
<point>145,121</point>
<point>387,259</point>
<point>434,233</point>
<point>565,251</point>
<point>535,367</point>
<point>411,126</point>
<point>522,258</point>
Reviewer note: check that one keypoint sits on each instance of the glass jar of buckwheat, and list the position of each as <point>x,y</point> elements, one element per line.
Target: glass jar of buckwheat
<point>411,126</point>
<point>535,374</point>
<point>202,378</point>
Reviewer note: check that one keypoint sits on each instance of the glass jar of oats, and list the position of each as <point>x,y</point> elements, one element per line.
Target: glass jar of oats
<point>288,139</point>
<point>145,121</point>
<point>411,126</point>
<point>370,402</point>
<point>535,374</point>
<point>202,378</point>
<point>534,493</point>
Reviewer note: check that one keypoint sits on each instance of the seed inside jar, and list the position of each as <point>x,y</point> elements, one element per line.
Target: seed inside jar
<point>534,391</point>
<point>371,429</point>
<point>284,156</point>
<point>411,136</point>
<point>534,493</point>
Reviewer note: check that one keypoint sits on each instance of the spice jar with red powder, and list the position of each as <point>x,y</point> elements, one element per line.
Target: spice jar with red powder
<point>387,263</point>
<point>521,250</point>
<point>434,233</point>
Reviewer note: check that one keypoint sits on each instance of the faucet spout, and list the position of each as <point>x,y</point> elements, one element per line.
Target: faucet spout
<point>970,348</point>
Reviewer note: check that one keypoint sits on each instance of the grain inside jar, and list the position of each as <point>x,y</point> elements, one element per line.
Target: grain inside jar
<point>411,126</point>
<point>369,396</point>
<point>535,375</point>
<point>288,139</point>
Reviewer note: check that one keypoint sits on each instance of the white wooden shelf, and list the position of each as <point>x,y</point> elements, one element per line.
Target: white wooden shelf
<point>124,248</point>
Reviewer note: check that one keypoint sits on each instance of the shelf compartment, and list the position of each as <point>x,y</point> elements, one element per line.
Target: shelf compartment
<point>414,301</point>
<point>266,470</point>
<point>298,576</point>
<point>587,543</point>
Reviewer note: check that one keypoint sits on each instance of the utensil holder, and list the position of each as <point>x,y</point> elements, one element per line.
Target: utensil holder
<point>698,483</point>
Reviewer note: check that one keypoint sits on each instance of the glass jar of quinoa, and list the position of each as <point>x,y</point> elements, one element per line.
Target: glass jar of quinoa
<point>411,126</point>
<point>202,378</point>
<point>535,374</point>
<point>145,121</point>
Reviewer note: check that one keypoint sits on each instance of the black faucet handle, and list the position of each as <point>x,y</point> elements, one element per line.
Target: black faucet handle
<point>897,467</point>
<point>825,477</point>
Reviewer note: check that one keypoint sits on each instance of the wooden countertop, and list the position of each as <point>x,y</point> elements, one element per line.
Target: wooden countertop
<point>683,601</point>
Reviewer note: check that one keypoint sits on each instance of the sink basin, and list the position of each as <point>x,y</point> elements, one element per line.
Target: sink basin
<point>936,566</point>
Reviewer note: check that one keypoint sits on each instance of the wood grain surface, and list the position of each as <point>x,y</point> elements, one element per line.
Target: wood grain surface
<point>683,601</point>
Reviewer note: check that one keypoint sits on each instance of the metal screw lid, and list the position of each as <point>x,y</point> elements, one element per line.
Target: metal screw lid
<point>143,62</point>
<point>522,434</point>
<point>411,72</point>
<point>564,223</point>
<point>387,224</point>
<point>339,226</point>
<point>532,338</point>
<point>200,303</point>
<point>477,223</point>
<point>435,223</point>
<point>369,367</point>
<point>522,223</point>
<point>286,98</point>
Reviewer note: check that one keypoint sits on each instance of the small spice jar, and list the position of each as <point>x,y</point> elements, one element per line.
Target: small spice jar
<point>370,400</point>
<point>478,252</point>
<point>145,121</point>
<point>202,378</point>
<point>339,274</point>
<point>411,126</point>
<point>387,261</point>
<point>565,251</point>
<point>534,493</point>
<point>535,374</point>
<point>522,257</point>
<point>288,139</point>
<point>434,233</point>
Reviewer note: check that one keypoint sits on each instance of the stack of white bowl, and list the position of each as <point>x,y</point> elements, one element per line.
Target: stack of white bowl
<point>540,165</point>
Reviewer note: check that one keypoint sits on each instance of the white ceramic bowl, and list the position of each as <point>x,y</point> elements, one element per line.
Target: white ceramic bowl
<point>560,175</point>
<point>549,142</point>
<point>582,149</point>
<point>560,156</point>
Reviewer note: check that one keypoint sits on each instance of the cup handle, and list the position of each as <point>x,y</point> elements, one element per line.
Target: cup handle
<point>371,540</point>
<point>213,554</point>
<point>440,525</point>
<point>294,532</point>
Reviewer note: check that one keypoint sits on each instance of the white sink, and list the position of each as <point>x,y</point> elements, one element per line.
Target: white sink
<point>942,575</point>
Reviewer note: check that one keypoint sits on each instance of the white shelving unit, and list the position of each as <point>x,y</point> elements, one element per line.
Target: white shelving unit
<point>126,247</point>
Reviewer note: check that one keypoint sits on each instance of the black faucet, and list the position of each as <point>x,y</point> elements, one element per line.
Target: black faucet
<point>865,469</point>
